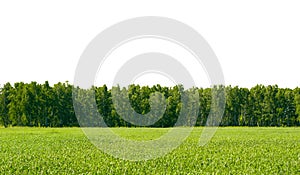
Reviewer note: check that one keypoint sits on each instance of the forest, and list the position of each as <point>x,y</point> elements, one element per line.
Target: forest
<point>41,105</point>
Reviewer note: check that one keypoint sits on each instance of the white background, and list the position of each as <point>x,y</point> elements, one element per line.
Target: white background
<point>257,42</point>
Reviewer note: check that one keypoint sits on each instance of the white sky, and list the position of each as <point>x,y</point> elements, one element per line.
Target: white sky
<point>256,42</point>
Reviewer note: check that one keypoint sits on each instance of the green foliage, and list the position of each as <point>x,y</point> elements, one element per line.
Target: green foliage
<point>33,104</point>
<point>36,104</point>
<point>233,150</point>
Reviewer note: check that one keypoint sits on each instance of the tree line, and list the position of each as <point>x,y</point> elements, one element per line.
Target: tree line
<point>42,105</point>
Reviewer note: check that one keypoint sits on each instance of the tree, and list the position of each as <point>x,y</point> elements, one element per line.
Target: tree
<point>33,104</point>
<point>297,105</point>
<point>4,102</point>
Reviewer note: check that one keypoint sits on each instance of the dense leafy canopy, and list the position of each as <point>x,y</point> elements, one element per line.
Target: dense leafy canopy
<point>33,104</point>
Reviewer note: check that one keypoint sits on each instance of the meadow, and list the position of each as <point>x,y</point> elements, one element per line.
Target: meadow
<point>233,150</point>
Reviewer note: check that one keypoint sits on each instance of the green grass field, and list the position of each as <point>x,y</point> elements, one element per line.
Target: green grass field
<point>232,150</point>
